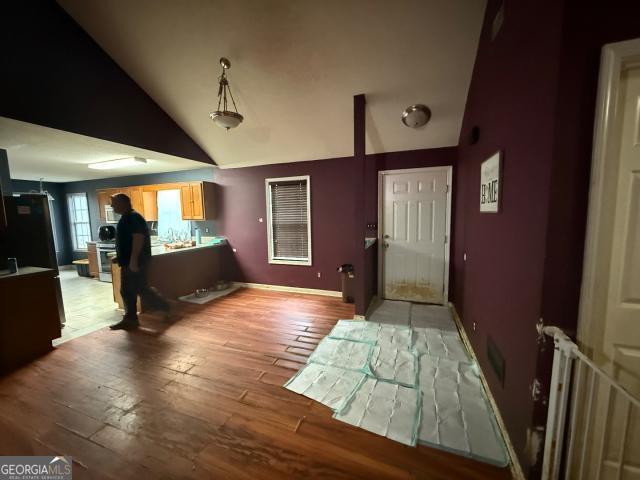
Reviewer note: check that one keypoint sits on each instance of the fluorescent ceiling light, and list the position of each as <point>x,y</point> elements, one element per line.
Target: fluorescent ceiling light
<point>118,163</point>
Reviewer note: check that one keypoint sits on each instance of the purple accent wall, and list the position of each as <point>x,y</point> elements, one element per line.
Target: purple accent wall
<point>243,201</point>
<point>512,99</point>
<point>54,74</point>
<point>533,96</point>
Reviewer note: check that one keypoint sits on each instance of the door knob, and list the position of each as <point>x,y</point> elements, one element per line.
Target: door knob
<point>386,245</point>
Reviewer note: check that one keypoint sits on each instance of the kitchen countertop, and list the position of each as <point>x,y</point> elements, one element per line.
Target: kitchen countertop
<point>24,271</point>
<point>158,249</point>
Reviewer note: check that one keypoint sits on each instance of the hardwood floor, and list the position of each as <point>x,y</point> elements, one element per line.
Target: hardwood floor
<point>202,398</point>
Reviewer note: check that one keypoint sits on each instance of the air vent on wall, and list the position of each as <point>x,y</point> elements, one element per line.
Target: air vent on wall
<point>496,360</point>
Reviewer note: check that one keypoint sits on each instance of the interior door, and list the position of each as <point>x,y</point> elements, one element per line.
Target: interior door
<point>616,347</point>
<point>414,235</point>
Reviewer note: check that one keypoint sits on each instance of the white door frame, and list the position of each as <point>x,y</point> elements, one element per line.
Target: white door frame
<point>447,248</point>
<point>615,58</point>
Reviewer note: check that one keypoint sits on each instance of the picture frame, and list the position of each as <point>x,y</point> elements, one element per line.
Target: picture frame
<point>491,183</point>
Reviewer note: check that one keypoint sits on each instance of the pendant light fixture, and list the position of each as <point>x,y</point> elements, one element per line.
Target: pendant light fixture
<point>225,118</point>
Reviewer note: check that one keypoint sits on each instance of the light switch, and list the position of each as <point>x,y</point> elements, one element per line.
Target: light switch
<point>234,250</point>
<point>260,219</point>
<point>464,257</point>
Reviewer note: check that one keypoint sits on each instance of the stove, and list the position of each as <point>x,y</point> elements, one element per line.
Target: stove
<point>103,249</point>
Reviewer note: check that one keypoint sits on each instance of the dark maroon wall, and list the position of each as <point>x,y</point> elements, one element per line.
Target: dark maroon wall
<point>243,201</point>
<point>54,74</point>
<point>588,26</point>
<point>512,100</point>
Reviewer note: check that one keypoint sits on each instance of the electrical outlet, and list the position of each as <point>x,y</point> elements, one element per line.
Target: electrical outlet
<point>474,326</point>
<point>319,275</point>
<point>234,250</point>
<point>206,229</point>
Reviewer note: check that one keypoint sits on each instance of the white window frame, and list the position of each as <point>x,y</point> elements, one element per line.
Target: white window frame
<point>288,261</point>
<point>74,240</point>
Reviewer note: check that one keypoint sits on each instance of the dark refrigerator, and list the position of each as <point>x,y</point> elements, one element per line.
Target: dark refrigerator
<point>30,235</point>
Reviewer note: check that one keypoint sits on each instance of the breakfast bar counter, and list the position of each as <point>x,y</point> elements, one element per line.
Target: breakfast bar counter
<point>178,272</point>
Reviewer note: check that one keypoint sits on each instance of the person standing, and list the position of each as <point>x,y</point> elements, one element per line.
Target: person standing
<point>133,250</point>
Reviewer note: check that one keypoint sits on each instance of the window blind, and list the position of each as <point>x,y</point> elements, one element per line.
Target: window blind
<point>289,220</point>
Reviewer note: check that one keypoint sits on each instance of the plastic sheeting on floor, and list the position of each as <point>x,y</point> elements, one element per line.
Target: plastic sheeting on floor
<point>455,413</point>
<point>395,365</point>
<point>438,344</point>
<point>331,386</point>
<point>384,408</point>
<point>393,336</point>
<point>412,383</point>
<point>343,353</point>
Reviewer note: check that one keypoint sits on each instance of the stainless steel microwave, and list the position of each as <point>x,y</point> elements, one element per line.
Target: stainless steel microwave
<point>109,215</point>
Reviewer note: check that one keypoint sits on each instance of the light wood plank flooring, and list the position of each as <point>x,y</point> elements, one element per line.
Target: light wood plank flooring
<point>202,398</point>
<point>88,305</point>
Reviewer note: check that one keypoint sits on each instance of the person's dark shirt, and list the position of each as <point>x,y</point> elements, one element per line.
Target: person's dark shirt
<point>130,223</point>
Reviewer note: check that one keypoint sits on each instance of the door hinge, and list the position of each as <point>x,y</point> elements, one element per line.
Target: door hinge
<point>448,188</point>
<point>446,238</point>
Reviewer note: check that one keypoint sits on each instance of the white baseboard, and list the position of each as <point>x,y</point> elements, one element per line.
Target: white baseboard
<point>283,288</point>
<point>514,465</point>
<point>66,267</point>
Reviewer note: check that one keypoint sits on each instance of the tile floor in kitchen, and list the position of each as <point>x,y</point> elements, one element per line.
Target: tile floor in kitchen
<point>88,305</point>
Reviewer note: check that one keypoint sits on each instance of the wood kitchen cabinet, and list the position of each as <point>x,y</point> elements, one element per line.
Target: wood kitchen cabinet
<point>150,205</point>
<point>196,199</point>
<point>92,256</point>
<point>104,198</point>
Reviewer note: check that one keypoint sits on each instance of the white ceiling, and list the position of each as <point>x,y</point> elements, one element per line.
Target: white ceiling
<point>38,152</point>
<point>296,65</point>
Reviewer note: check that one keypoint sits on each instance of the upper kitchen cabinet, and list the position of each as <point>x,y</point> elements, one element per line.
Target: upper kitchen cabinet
<point>150,205</point>
<point>103,199</point>
<point>135,194</point>
<point>197,201</point>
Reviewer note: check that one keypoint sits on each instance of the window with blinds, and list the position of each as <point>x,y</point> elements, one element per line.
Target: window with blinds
<point>289,220</point>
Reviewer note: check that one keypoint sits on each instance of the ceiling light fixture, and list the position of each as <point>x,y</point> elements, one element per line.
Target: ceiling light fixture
<point>225,118</point>
<point>117,163</point>
<point>416,116</point>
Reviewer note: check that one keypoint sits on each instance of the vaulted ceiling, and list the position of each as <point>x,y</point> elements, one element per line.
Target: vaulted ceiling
<point>296,65</point>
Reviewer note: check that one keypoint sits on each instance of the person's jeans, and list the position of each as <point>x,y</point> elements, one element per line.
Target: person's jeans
<point>134,284</point>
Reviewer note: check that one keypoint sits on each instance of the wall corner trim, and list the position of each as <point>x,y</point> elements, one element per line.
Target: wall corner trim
<point>514,465</point>
<point>284,288</point>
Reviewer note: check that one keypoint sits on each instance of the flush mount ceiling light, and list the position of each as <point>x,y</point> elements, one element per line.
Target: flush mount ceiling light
<point>118,163</point>
<point>416,116</point>
<point>225,118</point>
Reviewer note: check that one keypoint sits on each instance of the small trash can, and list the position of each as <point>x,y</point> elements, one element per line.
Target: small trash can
<point>347,277</point>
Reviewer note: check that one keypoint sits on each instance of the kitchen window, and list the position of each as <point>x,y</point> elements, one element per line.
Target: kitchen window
<point>289,220</point>
<point>79,220</point>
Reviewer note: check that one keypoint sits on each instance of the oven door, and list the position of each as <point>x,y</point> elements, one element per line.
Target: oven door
<point>104,264</point>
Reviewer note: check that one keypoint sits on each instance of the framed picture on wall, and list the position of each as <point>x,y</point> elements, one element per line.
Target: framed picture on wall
<point>490,183</point>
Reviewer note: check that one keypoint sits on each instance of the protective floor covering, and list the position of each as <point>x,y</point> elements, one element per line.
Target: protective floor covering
<point>343,353</point>
<point>331,386</point>
<point>455,413</point>
<point>407,377</point>
<point>384,408</point>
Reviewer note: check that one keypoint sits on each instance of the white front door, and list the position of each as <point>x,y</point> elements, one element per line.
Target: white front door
<point>414,235</point>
